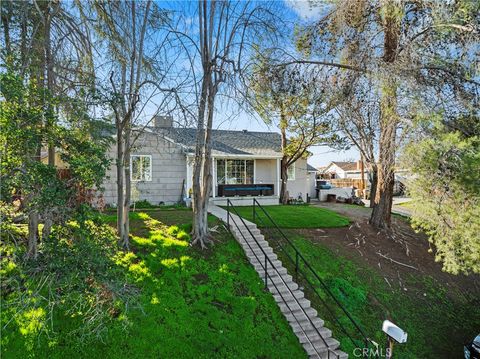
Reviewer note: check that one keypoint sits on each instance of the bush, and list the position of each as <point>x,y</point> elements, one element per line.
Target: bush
<point>143,204</point>
<point>74,284</point>
<point>183,236</point>
<point>173,230</point>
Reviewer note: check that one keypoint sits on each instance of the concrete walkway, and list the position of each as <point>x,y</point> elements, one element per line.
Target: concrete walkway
<point>303,319</point>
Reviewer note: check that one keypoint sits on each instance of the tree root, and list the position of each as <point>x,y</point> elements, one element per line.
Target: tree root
<point>203,241</point>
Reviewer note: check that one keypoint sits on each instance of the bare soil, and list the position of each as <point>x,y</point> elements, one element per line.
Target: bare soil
<point>394,254</point>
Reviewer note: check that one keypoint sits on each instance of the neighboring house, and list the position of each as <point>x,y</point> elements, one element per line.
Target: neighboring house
<point>246,165</point>
<point>343,170</point>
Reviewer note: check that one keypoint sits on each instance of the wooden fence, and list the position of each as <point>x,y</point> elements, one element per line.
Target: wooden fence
<point>348,182</point>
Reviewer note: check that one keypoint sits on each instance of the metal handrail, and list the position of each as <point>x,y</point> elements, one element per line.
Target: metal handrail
<point>298,255</point>
<point>267,275</point>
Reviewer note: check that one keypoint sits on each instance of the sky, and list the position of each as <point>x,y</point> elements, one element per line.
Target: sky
<point>228,118</point>
<point>300,11</point>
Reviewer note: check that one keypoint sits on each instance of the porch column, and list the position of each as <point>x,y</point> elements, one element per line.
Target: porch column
<point>214,177</point>
<point>278,177</point>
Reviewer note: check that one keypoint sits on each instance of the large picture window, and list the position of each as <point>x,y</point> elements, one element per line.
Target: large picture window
<point>141,167</point>
<point>234,171</point>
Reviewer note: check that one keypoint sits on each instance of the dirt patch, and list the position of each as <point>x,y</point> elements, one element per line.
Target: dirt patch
<point>395,254</point>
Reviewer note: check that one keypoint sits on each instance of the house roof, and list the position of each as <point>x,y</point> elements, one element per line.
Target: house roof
<point>310,168</point>
<point>346,166</point>
<point>226,142</point>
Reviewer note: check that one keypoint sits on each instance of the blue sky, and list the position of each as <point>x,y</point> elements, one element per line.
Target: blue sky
<point>296,12</point>
<point>299,11</point>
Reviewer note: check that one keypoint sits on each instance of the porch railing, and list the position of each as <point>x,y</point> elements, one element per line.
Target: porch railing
<point>269,268</point>
<point>304,269</point>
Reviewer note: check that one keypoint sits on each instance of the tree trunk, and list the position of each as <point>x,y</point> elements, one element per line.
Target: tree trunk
<point>32,234</point>
<point>47,226</point>
<point>284,162</point>
<point>381,213</point>
<point>120,174</point>
<point>199,226</point>
<point>50,80</point>
<point>373,184</point>
<point>125,236</point>
<point>200,231</point>
<point>284,180</point>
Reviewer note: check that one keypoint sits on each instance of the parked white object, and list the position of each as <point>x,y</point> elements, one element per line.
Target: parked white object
<point>394,332</point>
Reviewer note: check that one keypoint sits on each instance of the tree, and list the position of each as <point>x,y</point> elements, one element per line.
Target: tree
<point>38,186</point>
<point>297,108</point>
<point>357,118</point>
<point>34,33</point>
<point>446,190</point>
<point>395,44</point>
<point>227,32</point>
<point>128,30</point>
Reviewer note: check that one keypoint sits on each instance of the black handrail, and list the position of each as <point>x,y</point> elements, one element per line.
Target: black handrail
<point>298,255</point>
<point>267,275</point>
<point>311,286</point>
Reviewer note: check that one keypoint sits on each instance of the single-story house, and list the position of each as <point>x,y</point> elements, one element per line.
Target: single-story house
<point>343,170</point>
<point>246,164</point>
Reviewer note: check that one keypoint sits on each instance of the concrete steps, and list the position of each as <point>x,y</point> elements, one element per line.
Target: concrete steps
<point>303,319</point>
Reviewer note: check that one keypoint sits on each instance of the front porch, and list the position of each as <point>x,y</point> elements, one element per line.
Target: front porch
<point>242,178</point>
<point>245,200</point>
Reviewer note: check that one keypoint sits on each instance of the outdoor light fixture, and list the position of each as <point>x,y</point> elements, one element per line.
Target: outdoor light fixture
<point>393,332</point>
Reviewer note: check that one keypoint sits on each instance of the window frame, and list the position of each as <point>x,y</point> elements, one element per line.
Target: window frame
<point>149,172</point>
<point>293,169</point>
<point>226,167</point>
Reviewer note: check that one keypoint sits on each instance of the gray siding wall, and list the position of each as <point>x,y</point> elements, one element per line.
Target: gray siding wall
<point>266,172</point>
<point>299,185</point>
<point>168,171</point>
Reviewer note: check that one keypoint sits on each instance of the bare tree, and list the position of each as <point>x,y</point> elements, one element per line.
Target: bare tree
<point>394,43</point>
<point>135,78</point>
<point>218,50</point>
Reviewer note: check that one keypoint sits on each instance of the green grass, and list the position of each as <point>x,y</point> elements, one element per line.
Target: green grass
<point>191,303</point>
<point>295,216</point>
<point>438,322</point>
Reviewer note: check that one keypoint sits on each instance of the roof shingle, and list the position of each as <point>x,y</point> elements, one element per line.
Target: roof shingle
<point>227,142</point>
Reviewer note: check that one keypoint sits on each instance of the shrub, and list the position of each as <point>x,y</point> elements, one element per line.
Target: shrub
<point>143,204</point>
<point>74,284</point>
<point>183,236</point>
<point>173,230</point>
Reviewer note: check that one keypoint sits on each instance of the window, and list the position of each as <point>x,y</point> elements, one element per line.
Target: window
<point>234,171</point>
<point>141,167</point>
<point>291,172</point>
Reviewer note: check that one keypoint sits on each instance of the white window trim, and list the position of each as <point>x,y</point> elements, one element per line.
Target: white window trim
<point>225,159</point>
<point>292,167</point>
<point>150,169</point>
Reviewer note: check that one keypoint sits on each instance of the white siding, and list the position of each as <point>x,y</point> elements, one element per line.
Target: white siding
<point>299,186</point>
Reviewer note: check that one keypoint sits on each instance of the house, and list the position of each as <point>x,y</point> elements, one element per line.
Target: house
<point>246,164</point>
<point>343,170</point>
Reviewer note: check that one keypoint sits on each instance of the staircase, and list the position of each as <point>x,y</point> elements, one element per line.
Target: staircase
<point>307,326</point>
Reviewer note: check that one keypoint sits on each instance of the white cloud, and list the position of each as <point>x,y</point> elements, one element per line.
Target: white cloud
<point>305,8</point>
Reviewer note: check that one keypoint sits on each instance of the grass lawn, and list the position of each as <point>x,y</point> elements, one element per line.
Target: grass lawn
<point>191,304</point>
<point>436,320</point>
<point>295,216</point>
